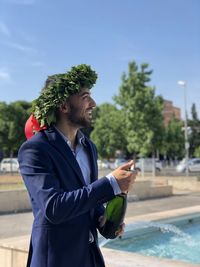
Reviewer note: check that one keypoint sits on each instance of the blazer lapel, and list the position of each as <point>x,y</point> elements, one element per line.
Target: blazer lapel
<point>92,157</point>
<point>59,143</point>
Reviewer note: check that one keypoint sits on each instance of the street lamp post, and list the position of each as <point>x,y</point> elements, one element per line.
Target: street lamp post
<point>183,83</point>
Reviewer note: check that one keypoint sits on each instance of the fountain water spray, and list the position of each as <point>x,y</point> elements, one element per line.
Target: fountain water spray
<point>163,227</point>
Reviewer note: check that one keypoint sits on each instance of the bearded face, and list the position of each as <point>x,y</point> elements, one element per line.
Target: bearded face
<point>80,108</point>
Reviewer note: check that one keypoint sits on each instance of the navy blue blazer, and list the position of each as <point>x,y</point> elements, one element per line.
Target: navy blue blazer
<point>65,208</point>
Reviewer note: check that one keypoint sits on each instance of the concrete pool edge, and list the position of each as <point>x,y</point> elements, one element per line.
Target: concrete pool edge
<point>13,251</point>
<point>116,258</point>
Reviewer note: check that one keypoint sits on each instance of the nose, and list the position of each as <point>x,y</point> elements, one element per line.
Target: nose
<point>93,103</point>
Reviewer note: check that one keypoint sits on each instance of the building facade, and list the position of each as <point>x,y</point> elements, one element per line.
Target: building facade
<point>170,112</point>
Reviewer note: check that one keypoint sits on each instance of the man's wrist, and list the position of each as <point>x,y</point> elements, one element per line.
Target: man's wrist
<point>114,183</point>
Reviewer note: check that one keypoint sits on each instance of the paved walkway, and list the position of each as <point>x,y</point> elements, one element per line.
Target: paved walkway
<point>12,225</point>
<point>177,201</point>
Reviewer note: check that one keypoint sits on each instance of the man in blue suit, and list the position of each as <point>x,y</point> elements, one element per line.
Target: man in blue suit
<point>59,168</point>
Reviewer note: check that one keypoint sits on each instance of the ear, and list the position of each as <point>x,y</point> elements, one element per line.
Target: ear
<point>64,108</point>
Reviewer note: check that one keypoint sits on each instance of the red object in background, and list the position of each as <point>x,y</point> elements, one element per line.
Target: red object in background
<point>32,125</point>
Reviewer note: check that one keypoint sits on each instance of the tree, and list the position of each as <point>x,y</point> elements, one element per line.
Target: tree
<point>143,111</point>
<point>194,136</point>
<point>197,152</point>
<point>12,120</point>
<point>174,139</point>
<point>108,133</point>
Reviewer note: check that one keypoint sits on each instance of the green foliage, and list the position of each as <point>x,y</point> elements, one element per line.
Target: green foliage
<point>143,111</point>
<point>58,88</point>
<point>12,120</point>
<point>194,113</point>
<point>174,139</point>
<point>197,152</point>
<point>108,133</point>
<point>194,135</point>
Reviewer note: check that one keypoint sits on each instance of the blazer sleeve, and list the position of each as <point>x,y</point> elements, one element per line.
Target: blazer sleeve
<point>43,186</point>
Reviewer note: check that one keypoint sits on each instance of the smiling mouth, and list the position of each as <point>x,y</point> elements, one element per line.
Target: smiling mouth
<point>89,112</point>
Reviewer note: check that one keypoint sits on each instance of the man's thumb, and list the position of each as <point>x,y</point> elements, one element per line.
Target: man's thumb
<point>127,165</point>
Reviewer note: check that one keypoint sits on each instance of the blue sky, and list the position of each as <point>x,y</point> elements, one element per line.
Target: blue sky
<point>43,37</point>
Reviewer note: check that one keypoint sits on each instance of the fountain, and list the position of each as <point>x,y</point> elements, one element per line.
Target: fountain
<point>167,241</point>
<point>163,227</point>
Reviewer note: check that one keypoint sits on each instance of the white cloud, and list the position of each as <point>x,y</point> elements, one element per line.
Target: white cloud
<point>4,29</point>
<point>21,2</point>
<point>4,76</point>
<point>20,47</point>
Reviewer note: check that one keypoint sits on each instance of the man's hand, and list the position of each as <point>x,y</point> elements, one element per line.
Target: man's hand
<point>119,232</point>
<point>124,176</point>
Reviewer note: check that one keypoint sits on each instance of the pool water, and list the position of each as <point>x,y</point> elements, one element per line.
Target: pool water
<point>184,247</point>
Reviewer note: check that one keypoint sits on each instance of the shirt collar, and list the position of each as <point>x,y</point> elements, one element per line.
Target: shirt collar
<point>80,137</point>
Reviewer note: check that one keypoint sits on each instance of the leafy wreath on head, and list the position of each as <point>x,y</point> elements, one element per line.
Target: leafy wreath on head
<point>58,88</point>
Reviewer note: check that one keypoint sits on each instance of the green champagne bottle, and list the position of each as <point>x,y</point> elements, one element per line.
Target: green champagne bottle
<point>115,212</point>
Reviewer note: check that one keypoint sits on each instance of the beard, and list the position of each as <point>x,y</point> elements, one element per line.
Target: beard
<point>77,118</point>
